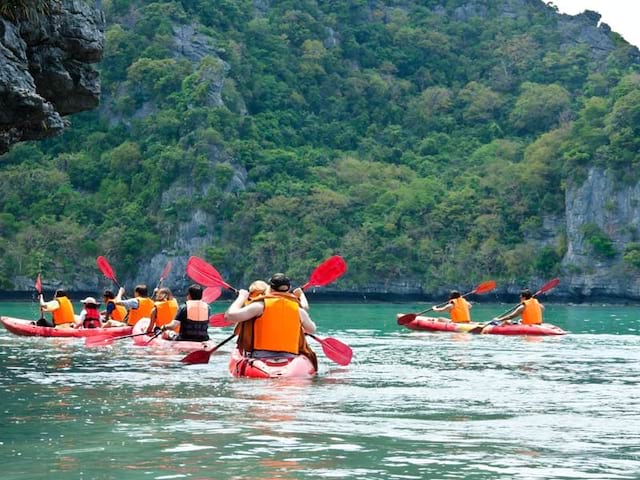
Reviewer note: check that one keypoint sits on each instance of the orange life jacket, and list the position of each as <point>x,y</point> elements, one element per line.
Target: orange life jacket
<point>165,311</point>
<point>118,313</point>
<point>145,305</point>
<point>278,328</point>
<point>460,310</point>
<point>532,313</point>
<point>63,314</point>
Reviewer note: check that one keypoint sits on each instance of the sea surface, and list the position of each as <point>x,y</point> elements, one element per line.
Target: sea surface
<point>411,405</point>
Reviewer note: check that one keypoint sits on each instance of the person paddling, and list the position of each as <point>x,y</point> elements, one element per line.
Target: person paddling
<point>138,307</point>
<point>278,322</point>
<point>192,320</point>
<point>61,310</point>
<point>164,309</point>
<point>457,306</point>
<point>529,309</point>
<point>113,311</point>
<point>90,315</point>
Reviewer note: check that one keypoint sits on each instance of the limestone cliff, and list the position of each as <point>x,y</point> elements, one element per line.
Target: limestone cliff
<point>47,70</point>
<point>615,210</point>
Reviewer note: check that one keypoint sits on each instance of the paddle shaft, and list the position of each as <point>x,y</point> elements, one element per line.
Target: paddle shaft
<point>38,286</point>
<point>108,340</point>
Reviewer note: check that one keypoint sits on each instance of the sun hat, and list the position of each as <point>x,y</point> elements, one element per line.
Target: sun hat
<point>90,301</point>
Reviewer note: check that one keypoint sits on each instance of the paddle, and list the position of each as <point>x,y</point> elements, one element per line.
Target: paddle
<point>155,335</point>
<point>104,340</point>
<point>334,349</point>
<point>38,287</point>
<point>550,285</point>
<point>106,269</point>
<point>484,287</point>
<point>205,274</point>
<point>328,271</point>
<point>217,320</point>
<point>211,294</point>
<point>164,274</point>
<point>202,356</point>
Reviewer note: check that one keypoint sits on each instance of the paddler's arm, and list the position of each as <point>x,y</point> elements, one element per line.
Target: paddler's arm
<point>307,324</point>
<point>444,308</point>
<point>304,303</point>
<point>239,312</point>
<point>514,314</point>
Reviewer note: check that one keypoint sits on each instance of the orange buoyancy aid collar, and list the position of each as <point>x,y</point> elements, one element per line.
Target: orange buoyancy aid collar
<point>118,313</point>
<point>460,310</point>
<point>532,313</point>
<point>197,310</point>
<point>165,311</point>
<point>278,328</point>
<point>145,305</point>
<point>63,314</point>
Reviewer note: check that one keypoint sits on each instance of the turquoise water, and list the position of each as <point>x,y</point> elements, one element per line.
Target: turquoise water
<point>412,405</point>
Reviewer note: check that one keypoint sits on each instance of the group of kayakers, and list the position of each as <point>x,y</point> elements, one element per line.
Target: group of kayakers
<point>459,309</point>
<point>271,320</point>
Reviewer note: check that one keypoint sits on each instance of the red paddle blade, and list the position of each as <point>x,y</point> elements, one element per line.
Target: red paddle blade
<point>38,284</point>
<point>205,274</point>
<point>335,350</point>
<point>406,318</point>
<point>105,268</point>
<point>327,272</point>
<point>485,287</point>
<point>165,272</point>
<point>211,294</point>
<point>217,320</point>
<point>197,356</point>
<point>550,285</point>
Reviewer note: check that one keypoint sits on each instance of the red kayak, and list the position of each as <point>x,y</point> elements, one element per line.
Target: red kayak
<point>434,324</point>
<point>162,343</point>
<point>296,367</point>
<point>30,329</point>
<point>438,324</point>
<point>520,329</point>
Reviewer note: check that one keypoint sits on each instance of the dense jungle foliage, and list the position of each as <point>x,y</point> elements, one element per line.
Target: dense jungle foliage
<point>425,141</point>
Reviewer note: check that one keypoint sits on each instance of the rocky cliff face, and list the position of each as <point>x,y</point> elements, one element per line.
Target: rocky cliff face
<point>47,70</point>
<point>615,210</point>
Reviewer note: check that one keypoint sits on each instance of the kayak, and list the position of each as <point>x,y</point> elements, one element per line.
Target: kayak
<point>162,343</point>
<point>29,329</point>
<point>443,325</point>
<point>520,329</point>
<point>439,324</point>
<point>296,367</point>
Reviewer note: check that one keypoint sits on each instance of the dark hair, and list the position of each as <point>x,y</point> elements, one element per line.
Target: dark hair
<point>195,292</point>
<point>60,293</point>
<point>141,290</point>
<point>280,282</point>
<point>454,294</point>
<point>108,294</point>
<point>526,293</point>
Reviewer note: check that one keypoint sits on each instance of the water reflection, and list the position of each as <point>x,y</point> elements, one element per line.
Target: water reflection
<point>412,405</point>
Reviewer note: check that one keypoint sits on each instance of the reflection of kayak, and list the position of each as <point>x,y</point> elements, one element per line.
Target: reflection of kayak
<point>27,328</point>
<point>442,325</point>
<point>299,366</point>
<point>435,324</point>
<point>162,343</point>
